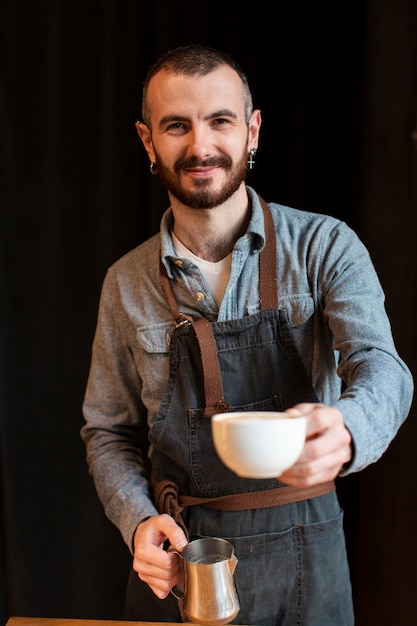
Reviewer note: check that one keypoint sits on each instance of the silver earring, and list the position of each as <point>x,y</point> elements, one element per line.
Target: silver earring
<point>154,168</point>
<point>251,160</point>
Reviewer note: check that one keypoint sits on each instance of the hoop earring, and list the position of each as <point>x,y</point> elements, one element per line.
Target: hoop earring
<point>154,168</point>
<point>251,160</point>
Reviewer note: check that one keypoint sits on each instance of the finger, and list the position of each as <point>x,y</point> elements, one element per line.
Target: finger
<point>159,587</point>
<point>153,561</point>
<point>303,408</point>
<point>163,527</point>
<point>159,576</point>
<point>316,414</point>
<point>155,531</point>
<point>326,467</point>
<point>293,412</point>
<point>153,569</point>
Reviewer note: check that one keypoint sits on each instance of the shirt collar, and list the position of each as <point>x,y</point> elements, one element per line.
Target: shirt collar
<point>255,232</point>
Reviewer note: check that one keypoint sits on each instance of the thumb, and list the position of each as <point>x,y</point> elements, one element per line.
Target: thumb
<point>173,532</point>
<point>301,409</point>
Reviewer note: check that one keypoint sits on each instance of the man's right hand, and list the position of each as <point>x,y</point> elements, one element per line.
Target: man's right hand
<point>154,565</point>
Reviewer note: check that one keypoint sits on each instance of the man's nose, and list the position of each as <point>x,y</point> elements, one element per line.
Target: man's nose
<point>200,144</point>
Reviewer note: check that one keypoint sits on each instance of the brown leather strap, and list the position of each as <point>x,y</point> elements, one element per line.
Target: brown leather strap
<point>260,499</point>
<point>268,263</point>
<point>168,500</point>
<point>166,494</point>
<point>213,386</point>
<point>212,379</point>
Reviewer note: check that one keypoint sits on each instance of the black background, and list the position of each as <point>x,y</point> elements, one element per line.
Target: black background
<point>336,84</point>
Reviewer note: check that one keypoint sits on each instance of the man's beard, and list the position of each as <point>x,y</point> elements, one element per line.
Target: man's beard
<point>203,197</point>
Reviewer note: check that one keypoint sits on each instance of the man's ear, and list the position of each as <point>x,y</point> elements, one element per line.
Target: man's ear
<point>254,127</point>
<point>145,135</point>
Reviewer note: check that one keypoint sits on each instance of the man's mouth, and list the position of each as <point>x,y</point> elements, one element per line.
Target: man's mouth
<point>201,167</point>
<point>201,171</point>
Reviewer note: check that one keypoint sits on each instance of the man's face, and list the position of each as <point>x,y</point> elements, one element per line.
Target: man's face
<point>199,138</point>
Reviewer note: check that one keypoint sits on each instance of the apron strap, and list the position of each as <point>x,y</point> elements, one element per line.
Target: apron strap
<point>268,262</point>
<point>169,500</point>
<point>166,495</point>
<point>213,386</point>
<point>212,380</point>
<point>260,499</point>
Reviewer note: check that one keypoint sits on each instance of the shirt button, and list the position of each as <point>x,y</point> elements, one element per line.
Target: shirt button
<point>179,263</point>
<point>199,296</point>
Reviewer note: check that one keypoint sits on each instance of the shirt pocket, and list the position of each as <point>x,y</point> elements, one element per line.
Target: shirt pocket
<point>296,309</point>
<point>297,333</point>
<point>152,358</point>
<point>155,338</point>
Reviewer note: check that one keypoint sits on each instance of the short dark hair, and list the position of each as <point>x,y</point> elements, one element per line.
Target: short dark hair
<point>194,60</point>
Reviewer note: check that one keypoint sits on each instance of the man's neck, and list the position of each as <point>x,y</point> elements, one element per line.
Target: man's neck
<point>212,233</point>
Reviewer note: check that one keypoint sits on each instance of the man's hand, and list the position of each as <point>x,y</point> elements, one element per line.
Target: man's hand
<point>154,565</point>
<point>326,450</point>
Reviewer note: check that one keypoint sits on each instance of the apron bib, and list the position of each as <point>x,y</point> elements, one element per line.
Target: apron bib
<point>292,565</point>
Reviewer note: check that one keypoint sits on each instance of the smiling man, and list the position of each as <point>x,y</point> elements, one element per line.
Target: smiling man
<point>235,305</point>
<point>198,133</point>
<point>205,147</point>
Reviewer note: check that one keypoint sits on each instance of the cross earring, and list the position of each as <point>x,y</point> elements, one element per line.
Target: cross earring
<point>251,160</point>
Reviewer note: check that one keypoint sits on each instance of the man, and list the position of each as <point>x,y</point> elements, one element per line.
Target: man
<point>235,305</point>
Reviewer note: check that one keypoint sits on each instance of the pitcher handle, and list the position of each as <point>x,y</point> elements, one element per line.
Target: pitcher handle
<point>176,591</point>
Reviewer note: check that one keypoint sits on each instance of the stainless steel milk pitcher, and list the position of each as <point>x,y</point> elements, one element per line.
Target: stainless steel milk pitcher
<point>209,595</point>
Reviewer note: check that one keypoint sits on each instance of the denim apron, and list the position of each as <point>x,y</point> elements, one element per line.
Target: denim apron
<point>292,565</point>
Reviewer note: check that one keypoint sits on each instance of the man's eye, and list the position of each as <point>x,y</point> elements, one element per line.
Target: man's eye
<point>175,126</point>
<point>220,121</point>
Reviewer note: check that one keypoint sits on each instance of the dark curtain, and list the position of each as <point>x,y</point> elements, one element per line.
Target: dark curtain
<point>336,86</point>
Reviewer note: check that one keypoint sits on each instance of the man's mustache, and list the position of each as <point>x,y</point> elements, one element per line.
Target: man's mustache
<point>193,162</point>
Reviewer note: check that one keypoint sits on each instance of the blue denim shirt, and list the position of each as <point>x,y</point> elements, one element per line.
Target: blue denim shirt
<point>331,294</point>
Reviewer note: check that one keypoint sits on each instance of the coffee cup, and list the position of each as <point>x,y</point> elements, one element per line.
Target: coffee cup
<point>258,444</point>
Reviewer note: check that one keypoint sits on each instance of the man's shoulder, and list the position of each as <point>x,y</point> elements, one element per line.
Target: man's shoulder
<point>303,216</point>
<point>139,258</point>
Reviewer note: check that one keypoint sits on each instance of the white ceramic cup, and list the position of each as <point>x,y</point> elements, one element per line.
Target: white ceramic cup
<point>258,444</point>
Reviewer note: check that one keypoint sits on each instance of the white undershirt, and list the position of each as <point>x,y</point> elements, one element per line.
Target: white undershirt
<point>216,274</point>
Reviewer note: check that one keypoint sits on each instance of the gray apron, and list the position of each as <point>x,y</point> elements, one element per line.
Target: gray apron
<point>292,567</point>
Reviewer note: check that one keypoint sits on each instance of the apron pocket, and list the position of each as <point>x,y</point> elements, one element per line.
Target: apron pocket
<point>211,477</point>
<point>297,576</point>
